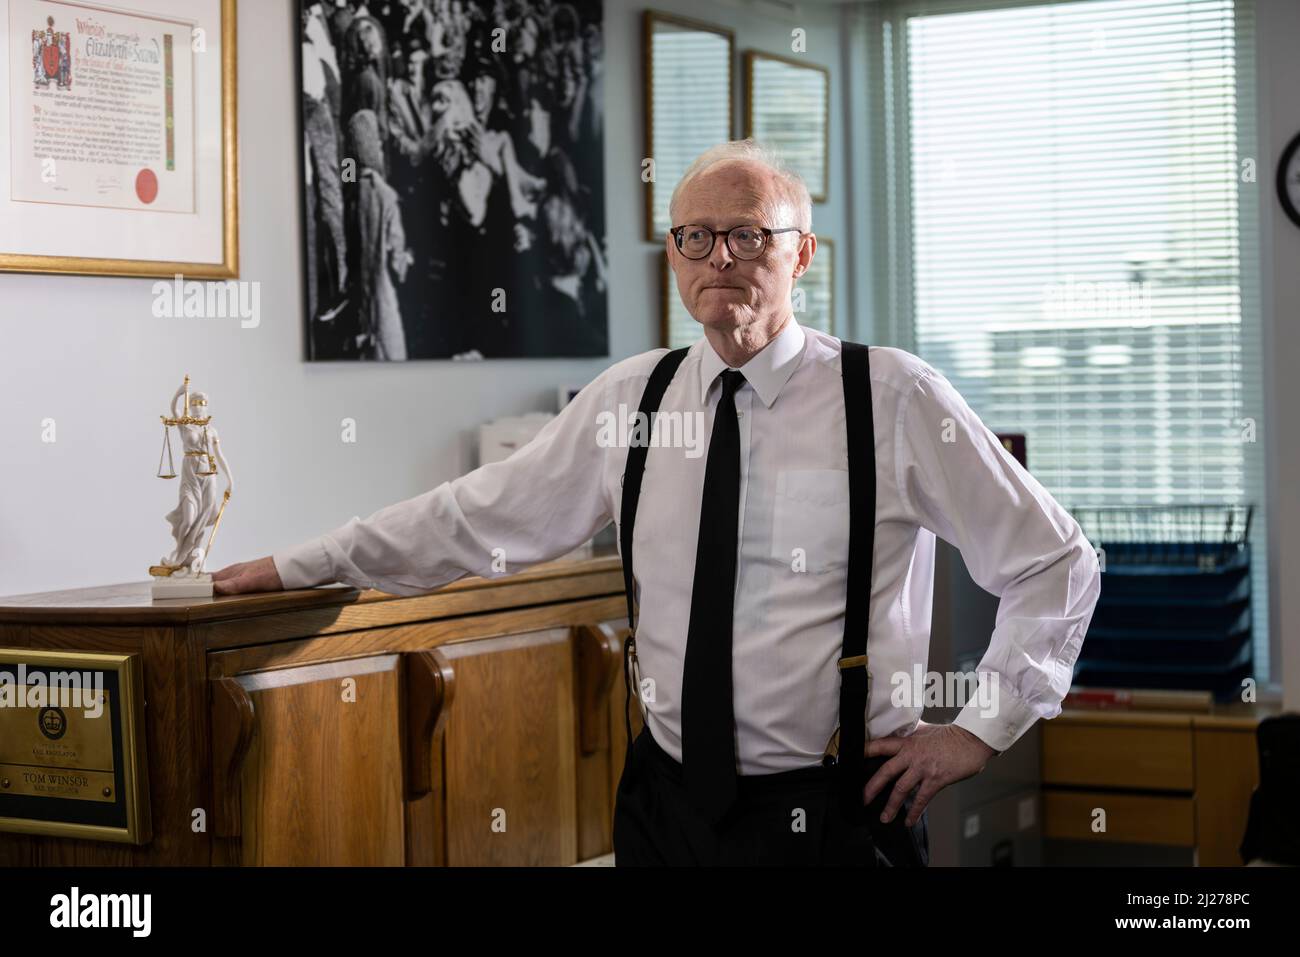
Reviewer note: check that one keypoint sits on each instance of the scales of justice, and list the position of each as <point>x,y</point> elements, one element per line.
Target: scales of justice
<point>181,574</point>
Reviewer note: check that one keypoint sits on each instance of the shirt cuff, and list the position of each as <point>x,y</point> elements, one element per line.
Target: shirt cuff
<point>305,565</point>
<point>1000,724</point>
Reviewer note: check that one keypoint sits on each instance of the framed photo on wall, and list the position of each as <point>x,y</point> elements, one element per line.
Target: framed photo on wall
<point>120,132</point>
<point>677,326</point>
<point>787,106</point>
<point>814,291</point>
<point>452,174</point>
<point>688,95</point>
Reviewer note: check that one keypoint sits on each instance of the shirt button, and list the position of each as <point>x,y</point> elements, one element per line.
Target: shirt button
<point>739,414</point>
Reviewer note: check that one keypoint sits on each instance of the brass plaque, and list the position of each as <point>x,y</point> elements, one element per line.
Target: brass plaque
<point>72,745</point>
<point>55,751</point>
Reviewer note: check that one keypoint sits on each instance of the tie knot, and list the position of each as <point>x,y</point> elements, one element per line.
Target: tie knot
<point>731,380</point>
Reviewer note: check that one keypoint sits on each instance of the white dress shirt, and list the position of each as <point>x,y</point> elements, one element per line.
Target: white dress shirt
<point>939,471</point>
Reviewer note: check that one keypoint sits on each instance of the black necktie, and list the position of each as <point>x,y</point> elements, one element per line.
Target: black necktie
<point>708,717</point>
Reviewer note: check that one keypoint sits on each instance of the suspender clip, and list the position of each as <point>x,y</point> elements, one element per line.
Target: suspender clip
<point>634,670</point>
<point>833,745</point>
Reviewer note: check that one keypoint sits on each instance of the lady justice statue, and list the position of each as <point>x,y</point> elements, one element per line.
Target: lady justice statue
<point>180,574</point>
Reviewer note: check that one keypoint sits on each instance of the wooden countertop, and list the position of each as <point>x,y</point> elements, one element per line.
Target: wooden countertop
<point>597,572</point>
<point>1237,716</point>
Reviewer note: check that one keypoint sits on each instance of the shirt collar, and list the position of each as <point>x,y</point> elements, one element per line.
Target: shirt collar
<point>766,372</point>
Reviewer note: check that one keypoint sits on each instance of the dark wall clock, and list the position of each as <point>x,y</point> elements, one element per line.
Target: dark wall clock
<point>1288,179</point>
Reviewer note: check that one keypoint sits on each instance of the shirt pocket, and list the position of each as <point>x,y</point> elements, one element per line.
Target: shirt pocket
<point>811,515</point>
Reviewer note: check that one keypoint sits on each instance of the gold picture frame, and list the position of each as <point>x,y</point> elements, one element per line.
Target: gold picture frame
<point>800,132</point>
<point>707,52</point>
<point>228,267</point>
<point>96,803</point>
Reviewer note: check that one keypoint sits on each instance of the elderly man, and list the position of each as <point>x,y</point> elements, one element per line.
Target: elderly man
<point>766,569</point>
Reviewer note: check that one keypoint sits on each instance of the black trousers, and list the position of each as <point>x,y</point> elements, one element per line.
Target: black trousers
<point>791,818</point>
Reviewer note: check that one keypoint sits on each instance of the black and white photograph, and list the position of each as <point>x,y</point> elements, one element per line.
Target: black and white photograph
<point>453,179</point>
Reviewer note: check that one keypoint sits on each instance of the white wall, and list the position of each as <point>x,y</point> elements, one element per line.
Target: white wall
<point>1279,121</point>
<point>86,352</point>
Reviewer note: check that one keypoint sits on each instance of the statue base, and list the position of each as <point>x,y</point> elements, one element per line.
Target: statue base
<point>189,586</point>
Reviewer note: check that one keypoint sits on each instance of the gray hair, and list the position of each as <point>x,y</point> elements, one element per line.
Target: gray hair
<point>751,151</point>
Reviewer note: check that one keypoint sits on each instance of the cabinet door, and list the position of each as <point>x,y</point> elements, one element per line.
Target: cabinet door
<point>322,779</point>
<point>509,751</point>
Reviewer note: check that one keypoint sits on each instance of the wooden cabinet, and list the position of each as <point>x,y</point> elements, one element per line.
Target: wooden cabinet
<point>1164,779</point>
<point>481,724</point>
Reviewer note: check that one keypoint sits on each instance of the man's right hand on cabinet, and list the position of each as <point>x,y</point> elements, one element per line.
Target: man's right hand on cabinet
<point>258,575</point>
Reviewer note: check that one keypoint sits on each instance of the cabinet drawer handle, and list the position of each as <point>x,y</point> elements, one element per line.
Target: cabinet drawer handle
<point>600,656</point>
<point>233,721</point>
<point>430,687</point>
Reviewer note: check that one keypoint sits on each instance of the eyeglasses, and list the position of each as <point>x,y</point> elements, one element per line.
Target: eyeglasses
<point>745,242</point>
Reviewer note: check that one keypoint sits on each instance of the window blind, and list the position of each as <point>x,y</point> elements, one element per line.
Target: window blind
<point>1072,222</point>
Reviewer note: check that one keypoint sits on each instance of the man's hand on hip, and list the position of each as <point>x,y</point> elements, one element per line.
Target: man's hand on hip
<point>258,575</point>
<point>930,758</point>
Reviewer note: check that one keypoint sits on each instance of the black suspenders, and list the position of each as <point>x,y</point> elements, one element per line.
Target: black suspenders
<point>856,372</point>
<point>654,393</point>
<point>862,527</point>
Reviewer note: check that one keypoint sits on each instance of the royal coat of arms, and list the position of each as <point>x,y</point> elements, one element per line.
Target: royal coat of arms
<point>52,57</point>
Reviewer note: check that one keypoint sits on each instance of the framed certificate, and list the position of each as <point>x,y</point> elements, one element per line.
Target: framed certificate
<point>118,150</point>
